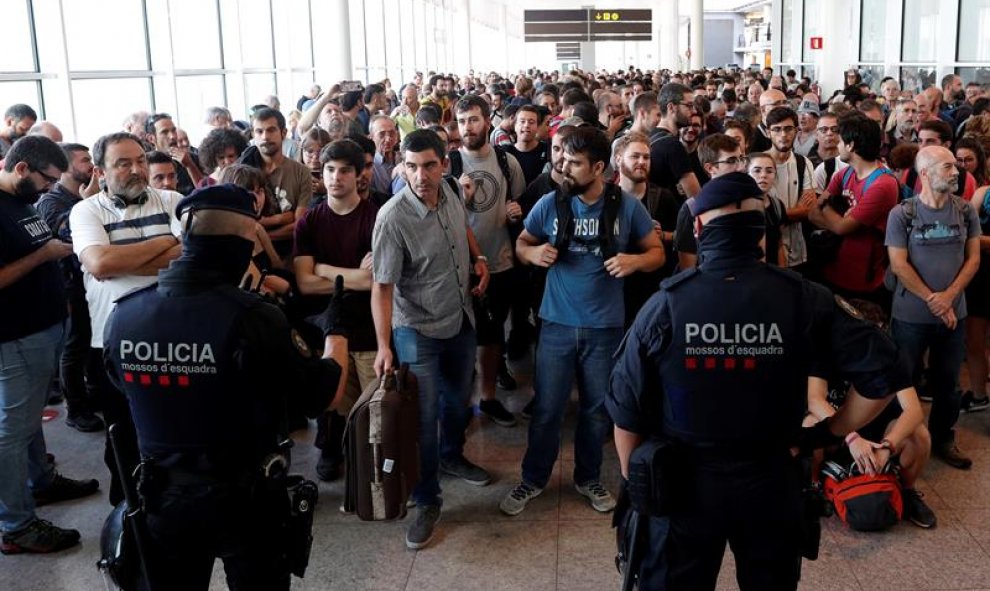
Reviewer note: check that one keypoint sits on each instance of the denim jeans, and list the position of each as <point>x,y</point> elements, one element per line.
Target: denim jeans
<point>27,366</point>
<point>443,370</point>
<point>563,353</point>
<point>946,351</point>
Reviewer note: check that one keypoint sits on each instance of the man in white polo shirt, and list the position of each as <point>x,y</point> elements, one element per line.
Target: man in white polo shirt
<point>122,235</point>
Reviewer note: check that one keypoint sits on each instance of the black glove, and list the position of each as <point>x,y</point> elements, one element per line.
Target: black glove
<point>334,320</point>
<point>817,436</point>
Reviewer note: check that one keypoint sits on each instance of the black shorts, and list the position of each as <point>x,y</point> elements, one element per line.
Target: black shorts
<point>492,310</point>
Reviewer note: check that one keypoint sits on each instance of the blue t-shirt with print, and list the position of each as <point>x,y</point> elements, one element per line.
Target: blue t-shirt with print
<point>579,291</point>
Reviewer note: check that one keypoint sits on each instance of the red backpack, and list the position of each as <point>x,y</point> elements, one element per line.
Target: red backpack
<point>866,502</point>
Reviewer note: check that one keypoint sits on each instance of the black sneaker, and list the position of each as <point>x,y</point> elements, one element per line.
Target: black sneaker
<point>65,489</point>
<point>970,403</point>
<point>466,471</point>
<point>916,510</point>
<point>85,422</point>
<point>421,531</point>
<point>328,469</point>
<point>504,379</point>
<point>494,410</point>
<point>950,454</point>
<point>527,411</point>
<point>39,537</point>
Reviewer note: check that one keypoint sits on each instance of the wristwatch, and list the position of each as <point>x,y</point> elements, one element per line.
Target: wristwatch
<point>481,257</point>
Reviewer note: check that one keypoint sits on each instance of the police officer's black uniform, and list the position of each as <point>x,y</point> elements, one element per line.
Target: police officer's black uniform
<point>717,363</point>
<point>193,354</point>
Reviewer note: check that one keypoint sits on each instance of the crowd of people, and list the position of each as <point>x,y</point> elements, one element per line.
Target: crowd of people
<point>439,205</point>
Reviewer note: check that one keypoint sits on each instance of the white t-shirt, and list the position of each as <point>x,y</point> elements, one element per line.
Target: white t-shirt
<point>786,189</point>
<point>818,178</point>
<point>96,221</point>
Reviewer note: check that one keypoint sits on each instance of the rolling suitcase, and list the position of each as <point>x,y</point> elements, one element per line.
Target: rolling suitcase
<point>382,448</point>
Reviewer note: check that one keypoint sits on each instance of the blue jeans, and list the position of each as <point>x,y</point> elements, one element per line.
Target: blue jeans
<point>946,350</point>
<point>443,370</point>
<point>27,366</point>
<point>563,353</point>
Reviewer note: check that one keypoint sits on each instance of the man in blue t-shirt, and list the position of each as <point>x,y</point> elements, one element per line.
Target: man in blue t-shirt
<point>582,314</point>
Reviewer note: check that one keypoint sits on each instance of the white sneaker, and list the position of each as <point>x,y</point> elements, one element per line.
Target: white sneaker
<point>518,497</point>
<point>601,500</point>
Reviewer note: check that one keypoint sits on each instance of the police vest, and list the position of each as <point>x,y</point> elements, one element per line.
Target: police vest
<point>736,370</point>
<point>176,360</point>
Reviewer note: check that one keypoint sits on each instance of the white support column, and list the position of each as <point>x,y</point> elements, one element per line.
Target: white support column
<point>68,127</point>
<point>839,41</point>
<point>892,39</point>
<point>667,19</point>
<point>948,17</point>
<point>697,34</point>
<point>343,64</point>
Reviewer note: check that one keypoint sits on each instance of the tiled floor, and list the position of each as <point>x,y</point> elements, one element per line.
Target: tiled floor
<point>557,543</point>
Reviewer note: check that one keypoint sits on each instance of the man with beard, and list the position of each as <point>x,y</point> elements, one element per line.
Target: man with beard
<point>793,186</point>
<point>162,130</point>
<point>670,167</point>
<point>122,235</point>
<point>933,241</point>
<point>827,150</point>
<point>631,156</point>
<point>17,121</point>
<point>440,96</point>
<point>75,184</point>
<point>289,180</point>
<point>690,135</point>
<point>581,311</point>
<point>331,239</point>
<point>32,314</point>
<point>953,96</point>
<point>493,181</point>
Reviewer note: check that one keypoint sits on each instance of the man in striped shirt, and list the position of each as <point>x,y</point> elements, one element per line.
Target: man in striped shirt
<point>122,235</point>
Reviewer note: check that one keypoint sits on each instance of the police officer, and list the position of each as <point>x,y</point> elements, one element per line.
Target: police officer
<point>193,354</point>
<point>716,366</point>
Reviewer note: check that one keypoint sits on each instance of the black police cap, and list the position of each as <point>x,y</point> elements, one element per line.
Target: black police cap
<point>226,197</point>
<point>723,190</point>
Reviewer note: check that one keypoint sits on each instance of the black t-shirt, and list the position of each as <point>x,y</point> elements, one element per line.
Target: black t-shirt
<point>36,301</point>
<point>759,142</point>
<point>668,160</point>
<point>532,162</point>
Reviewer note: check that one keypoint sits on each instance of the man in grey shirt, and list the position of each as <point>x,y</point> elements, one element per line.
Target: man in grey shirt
<point>424,251</point>
<point>490,197</point>
<point>933,241</point>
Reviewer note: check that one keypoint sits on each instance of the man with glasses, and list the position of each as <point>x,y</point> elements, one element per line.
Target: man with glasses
<point>670,167</point>
<point>32,327</point>
<point>769,101</point>
<point>690,136</point>
<point>793,185</point>
<point>827,151</point>
<point>122,235</point>
<point>719,154</point>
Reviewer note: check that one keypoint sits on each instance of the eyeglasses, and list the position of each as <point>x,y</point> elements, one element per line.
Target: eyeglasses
<point>694,125</point>
<point>828,129</point>
<point>687,104</point>
<point>783,129</point>
<point>733,161</point>
<point>48,179</point>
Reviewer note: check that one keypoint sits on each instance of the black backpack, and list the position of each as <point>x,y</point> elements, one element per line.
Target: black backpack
<point>565,221</point>
<point>457,167</point>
